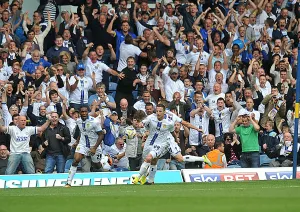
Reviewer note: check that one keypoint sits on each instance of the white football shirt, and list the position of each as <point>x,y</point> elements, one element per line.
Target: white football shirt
<point>159,130</point>
<point>84,85</point>
<point>89,130</point>
<point>19,138</point>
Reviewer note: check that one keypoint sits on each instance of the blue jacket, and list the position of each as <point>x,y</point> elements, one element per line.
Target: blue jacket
<point>30,66</point>
<point>54,52</point>
<point>109,138</point>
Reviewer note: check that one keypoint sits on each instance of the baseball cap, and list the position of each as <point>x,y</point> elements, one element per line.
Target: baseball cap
<point>243,112</point>
<point>114,112</point>
<point>80,66</point>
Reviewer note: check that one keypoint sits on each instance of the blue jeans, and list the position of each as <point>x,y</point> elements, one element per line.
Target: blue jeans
<point>175,165</point>
<point>162,164</point>
<point>234,164</point>
<point>14,161</point>
<point>55,160</point>
<point>250,160</point>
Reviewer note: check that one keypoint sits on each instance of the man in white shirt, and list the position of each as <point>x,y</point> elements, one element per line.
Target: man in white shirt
<point>127,49</point>
<point>221,116</point>
<point>141,104</point>
<point>79,86</point>
<point>218,67</point>
<point>172,83</point>
<point>197,54</point>
<point>93,65</point>
<point>266,13</point>
<point>212,98</point>
<point>170,19</point>
<point>264,89</point>
<point>117,152</point>
<point>19,145</point>
<point>4,74</point>
<point>249,110</point>
<point>218,79</point>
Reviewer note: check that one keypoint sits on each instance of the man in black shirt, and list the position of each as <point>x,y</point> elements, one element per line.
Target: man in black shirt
<point>57,137</point>
<point>3,159</point>
<point>127,84</point>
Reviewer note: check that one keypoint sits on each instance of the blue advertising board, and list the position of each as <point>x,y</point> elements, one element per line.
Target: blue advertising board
<point>82,179</point>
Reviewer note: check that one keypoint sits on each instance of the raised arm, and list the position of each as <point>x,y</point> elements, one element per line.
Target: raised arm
<point>210,65</point>
<point>87,50</point>
<point>110,26</point>
<point>113,56</point>
<point>163,40</point>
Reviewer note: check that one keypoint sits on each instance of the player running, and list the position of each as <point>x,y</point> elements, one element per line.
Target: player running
<point>158,143</point>
<point>88,142</point>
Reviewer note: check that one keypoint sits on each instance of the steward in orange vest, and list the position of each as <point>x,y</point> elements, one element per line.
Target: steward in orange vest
<point>216,157</point>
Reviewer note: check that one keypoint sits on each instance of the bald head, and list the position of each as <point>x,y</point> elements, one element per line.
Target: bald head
<point>123,104</point>
<point>21,121</point>
<point>210,139</point>
<point>287,136</point>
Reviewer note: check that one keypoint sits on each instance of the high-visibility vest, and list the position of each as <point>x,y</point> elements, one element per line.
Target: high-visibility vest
<point>215,158</point>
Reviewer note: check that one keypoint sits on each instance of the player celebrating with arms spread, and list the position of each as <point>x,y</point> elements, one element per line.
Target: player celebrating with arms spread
<point>88,142</point>
<point>158,143</point>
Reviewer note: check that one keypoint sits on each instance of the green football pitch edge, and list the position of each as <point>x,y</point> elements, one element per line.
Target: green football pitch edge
<point>283,195</point>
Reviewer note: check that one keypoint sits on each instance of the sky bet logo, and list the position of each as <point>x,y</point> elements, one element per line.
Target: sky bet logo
<point>216,177</point>
<point>281,175</point>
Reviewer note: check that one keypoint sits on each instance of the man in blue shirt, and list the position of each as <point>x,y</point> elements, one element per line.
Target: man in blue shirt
<point>32,64</point>
<point>55,51</point>
<point>120,35</point>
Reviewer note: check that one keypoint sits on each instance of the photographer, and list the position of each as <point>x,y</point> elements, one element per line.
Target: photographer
<point>275,108</point>
<point>248,132</point>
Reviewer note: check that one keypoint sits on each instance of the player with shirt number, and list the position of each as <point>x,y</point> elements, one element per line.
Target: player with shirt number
<point>88,142</point>
<point>158,143</point>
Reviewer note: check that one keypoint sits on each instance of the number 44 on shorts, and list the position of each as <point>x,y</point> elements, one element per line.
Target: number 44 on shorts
<point>156,147</point>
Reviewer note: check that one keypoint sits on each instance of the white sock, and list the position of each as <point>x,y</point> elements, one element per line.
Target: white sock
<point>152,172</point>
<point>190,158</point>
<point>144,168</point>
<point>72,172</point>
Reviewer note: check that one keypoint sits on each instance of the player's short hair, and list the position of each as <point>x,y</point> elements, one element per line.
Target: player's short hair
<point>161,105</point>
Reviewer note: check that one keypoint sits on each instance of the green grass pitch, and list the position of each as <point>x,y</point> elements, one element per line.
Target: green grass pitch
<point>283,195</point>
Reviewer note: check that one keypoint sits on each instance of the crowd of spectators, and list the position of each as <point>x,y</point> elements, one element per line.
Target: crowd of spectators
<point>227,66</point>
